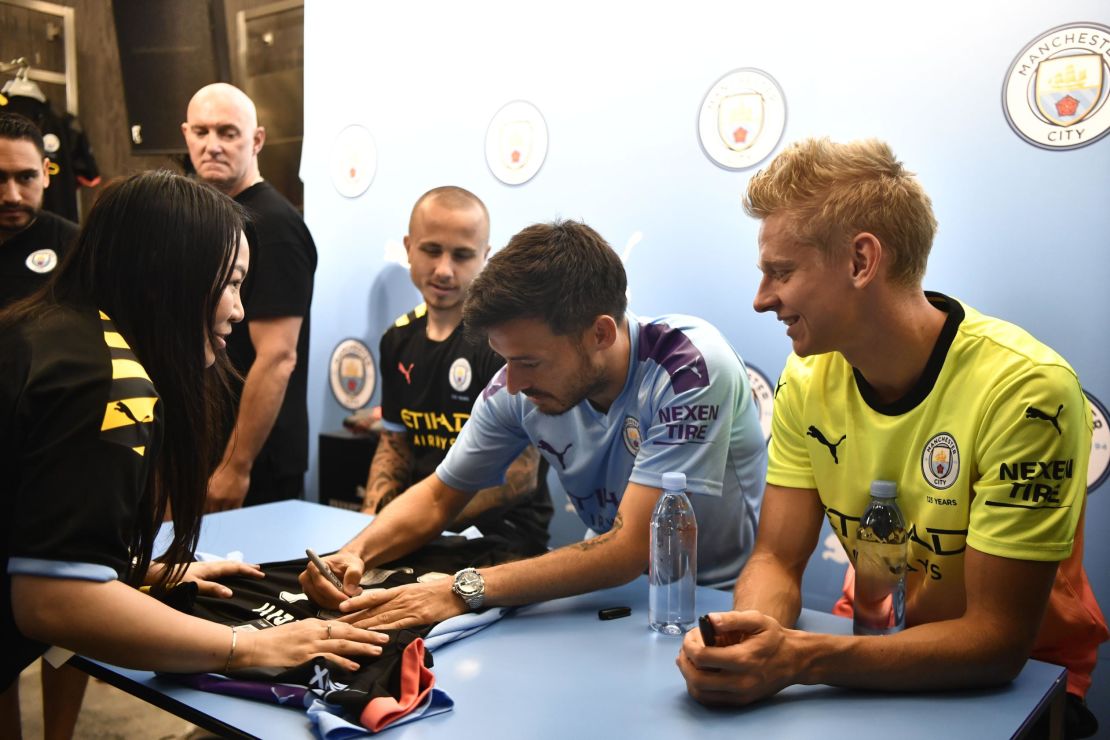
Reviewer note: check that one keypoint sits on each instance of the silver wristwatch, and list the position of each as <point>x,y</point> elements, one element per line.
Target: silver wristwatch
<point>470,587</point>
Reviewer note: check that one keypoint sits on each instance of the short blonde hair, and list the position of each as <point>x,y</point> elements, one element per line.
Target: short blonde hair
<point>830,192</point>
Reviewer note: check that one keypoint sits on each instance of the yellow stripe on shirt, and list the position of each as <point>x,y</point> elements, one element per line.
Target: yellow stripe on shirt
<point>128,369</point>
<point>115,340</point>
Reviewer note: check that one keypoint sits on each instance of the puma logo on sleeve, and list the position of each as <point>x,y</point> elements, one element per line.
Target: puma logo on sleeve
<point>816,434</point>
<point>1035,413</point>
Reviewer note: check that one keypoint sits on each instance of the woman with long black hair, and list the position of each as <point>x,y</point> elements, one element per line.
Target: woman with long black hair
<point>111,385</point>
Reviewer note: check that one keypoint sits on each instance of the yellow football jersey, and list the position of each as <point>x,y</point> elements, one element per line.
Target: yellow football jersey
<point>989,449</point>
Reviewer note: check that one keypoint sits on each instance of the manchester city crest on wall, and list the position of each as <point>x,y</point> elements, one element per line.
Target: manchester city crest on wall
<point>1099,467</point>
<point>351,374</point>
<point>1055,91</point>
<point>742,118</point>
<point>764,396</point>
<point>516,142</point>
<point>354,160</point>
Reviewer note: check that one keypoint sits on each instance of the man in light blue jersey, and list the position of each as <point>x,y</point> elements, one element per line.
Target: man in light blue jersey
<point>611,400</point>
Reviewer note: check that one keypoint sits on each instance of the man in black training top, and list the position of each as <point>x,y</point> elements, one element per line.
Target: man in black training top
<point>267,453</point>
<point>431,376</point>
<point>32,241</point>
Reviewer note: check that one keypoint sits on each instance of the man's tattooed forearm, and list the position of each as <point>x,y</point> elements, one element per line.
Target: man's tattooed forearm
<point>390,471</point>
<point>601,539</point>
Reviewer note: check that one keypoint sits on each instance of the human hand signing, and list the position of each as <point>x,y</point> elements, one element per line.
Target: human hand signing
<point>403,606</point>
<point>297,642</point>
<point>761,664</point>
<point>346,566</point>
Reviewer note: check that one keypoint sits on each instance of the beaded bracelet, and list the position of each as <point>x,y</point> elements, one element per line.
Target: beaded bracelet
<point>231,651</point>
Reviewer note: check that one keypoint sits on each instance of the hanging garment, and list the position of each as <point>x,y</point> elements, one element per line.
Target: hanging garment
<point>72,164</point>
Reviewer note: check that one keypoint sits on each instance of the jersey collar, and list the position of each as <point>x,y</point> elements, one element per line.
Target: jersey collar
<point>920,391</point>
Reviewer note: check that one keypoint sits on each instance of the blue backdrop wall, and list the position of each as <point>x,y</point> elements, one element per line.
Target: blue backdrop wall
<point>1023,230</point>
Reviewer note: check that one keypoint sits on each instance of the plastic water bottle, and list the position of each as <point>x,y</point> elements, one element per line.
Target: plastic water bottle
<point>880,560</point>
<point>673,572</point>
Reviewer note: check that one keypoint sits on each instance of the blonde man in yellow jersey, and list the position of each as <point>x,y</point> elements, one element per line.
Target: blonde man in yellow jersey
<point>882,376</point>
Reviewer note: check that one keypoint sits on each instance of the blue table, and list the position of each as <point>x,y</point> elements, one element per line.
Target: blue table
<point>554,670</point>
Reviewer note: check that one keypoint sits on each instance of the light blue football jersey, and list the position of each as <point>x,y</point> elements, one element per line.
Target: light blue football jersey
<point>686,406</point>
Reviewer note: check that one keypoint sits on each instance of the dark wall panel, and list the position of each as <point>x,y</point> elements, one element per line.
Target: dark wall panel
<point>168,50</point>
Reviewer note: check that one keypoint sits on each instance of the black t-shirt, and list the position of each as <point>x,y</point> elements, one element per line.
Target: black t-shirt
<point>80,424</point>
<point>278,284</point>
<point>28,259</point>
<point>428,389</point>
<point>69,151</point>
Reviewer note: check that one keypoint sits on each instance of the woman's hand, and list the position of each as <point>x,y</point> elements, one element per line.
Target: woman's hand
<point>205,573</point>
<point>298,642</point>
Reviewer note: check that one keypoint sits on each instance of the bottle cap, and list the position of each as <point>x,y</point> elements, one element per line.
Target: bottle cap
<point>884,489</point>
<point>674,481</point>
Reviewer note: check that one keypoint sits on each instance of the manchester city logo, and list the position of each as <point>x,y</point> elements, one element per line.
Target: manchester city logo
<point>742,118</point>
<point>351,374</point>
<point>1099,467</point>
<point>1055,91</point>
<point>459,376</point>
<point>42,261</point>
<point>354,160</point>
<point>631,435</point>
<point>516,142</point>
<point>764,396</point>
<point>940,461</point>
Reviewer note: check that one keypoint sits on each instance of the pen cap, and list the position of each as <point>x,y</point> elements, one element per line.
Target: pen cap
<point>674,481</point>
<point>884,489</point>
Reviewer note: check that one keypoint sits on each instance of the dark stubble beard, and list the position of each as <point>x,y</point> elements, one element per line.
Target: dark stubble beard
<point>590,382</point>
<point>5,232</point>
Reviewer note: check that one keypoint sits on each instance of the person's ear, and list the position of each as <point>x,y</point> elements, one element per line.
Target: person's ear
<point>603,333</point>
<point>867,258</point>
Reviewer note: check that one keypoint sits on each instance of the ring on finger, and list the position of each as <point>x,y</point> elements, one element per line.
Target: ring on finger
<point>329,630</point>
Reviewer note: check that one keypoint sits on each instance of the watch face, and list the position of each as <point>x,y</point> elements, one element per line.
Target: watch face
<point>469,582</point>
